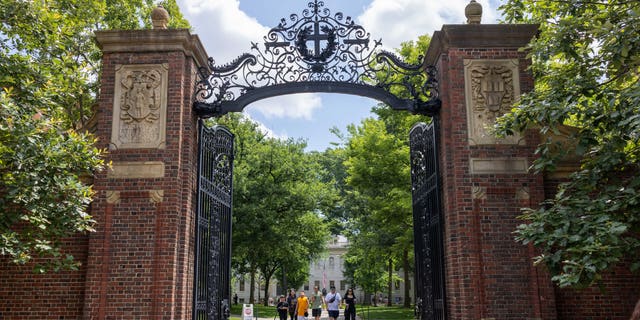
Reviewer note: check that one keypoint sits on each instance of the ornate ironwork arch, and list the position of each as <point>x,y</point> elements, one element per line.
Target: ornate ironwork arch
<point>316,52</point>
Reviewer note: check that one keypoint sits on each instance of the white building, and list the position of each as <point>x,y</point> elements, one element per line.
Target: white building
<point>324,272</point>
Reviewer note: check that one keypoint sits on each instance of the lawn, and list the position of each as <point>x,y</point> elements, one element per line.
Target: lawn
<point>384,313</point>
<point>258,311</point>
<point>364,312</point>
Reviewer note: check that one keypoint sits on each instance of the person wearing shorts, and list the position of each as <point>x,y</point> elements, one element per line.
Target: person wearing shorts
<point>333,300</point>
<point>302,306</point>
<point>316,303</point>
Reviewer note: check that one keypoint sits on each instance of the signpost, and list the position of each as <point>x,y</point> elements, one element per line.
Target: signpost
<point>247,312</point>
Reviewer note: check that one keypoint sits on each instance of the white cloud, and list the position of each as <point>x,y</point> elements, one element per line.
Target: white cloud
<point>265,130</point>
<point>216,23</point>
<point>296,106</point>
<point>396,21</point>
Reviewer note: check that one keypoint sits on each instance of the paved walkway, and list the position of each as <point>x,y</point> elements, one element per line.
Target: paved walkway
<point>324,316</point>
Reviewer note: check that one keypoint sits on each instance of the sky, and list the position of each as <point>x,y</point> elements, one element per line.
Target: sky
<point>227,28</point>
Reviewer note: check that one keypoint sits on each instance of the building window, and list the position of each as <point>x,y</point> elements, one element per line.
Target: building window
<point>332,263</point>
<point>242,283</point>
<point>306,287</point>
<point>342,285</point>
<point>317,283</point>
<point>332,283</point>
<point>397,284</point>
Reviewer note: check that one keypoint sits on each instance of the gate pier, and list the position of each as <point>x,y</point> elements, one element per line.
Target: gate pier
<point>485,180</point>
<point>140,261</point>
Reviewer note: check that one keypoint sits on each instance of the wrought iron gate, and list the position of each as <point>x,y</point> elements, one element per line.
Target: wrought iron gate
<point>212,289</point>
<point>427,222</point>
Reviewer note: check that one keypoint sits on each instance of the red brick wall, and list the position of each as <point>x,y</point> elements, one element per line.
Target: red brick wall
<point>489,275</point>
<point>27,295</point>
<point>139,266</point>
<point>613,299</point>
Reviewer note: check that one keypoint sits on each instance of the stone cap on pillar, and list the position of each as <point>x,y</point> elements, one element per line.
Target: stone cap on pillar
<point>160,17</point>
<point>479,36</point>
<point>160,40</point>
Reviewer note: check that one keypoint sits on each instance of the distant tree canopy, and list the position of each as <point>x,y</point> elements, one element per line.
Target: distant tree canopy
<point>278,198</point>
<point>49,68</point>
<point>377,192</point>
<point>586,62</point>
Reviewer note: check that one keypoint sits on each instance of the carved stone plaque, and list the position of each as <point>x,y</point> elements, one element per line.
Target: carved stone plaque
<point>491,88</point>
<point>140,106</point>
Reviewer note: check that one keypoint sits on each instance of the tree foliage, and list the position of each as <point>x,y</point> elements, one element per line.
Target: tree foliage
<point>49,67</point>
<point>378,180</point>
<point>42,196</point>
<point>586,62</point>
<point>277,196</point>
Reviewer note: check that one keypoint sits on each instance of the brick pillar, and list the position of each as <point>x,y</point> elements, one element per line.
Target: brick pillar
<point>140,259</point>
<point>485,180</point>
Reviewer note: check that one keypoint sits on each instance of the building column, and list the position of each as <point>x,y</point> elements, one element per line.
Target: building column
<point>141,255</point>
<point>482,72</point>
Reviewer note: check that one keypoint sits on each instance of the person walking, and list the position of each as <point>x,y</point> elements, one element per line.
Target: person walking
<point>333,300</point>
<point>350,305</point>
<point>292,301</point>
<point>316,303</point>
<point>302,306</point>
<point>282,307</point>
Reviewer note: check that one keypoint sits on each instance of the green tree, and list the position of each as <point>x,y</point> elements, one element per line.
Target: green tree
<point>338,208</point>
<point>277,196</point>
<point>363,266</point>
<point>376,161</point>
<point>49,66</point>
<point>378,168</point>
<point>42,195</point>
<point>586,62</point>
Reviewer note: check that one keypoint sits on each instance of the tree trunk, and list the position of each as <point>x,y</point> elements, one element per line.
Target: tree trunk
<point>375,296</point>
<point>405,267</point>
<point>390,289</point>
<point>284,281</point>
<point>252,287</point>
<point>266,290</point>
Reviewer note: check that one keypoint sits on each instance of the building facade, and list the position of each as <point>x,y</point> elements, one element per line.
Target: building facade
<point>324,272</point>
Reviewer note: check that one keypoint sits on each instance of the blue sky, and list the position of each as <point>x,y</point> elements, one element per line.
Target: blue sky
<point>227,28</point>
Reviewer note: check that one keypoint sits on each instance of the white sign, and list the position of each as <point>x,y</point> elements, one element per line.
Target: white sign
<point>247,312</point>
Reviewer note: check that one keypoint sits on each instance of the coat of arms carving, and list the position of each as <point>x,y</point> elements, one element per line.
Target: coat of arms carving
<point>491,87</point>
<point>141,96</point>
<point>140,103</point>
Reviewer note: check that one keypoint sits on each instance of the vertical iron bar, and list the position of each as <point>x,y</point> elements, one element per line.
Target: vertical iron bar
<point>427,219</point>
<point>212,274</point>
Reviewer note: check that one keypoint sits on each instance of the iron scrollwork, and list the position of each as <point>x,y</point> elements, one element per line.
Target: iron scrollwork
<point>427,222</point>
<point>316,52</point>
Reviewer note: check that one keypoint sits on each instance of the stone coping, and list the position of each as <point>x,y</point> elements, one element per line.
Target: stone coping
<point>478,36</point>
<point>161,40</point>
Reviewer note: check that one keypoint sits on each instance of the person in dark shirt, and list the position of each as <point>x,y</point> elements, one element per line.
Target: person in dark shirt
<point>292,300</point>
<point>350,305</point>
<point>282,307</point>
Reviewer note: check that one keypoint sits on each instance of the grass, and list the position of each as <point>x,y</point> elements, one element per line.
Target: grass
<point>364,312</point>
<point>384,313</point>
<point>258,311</point>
